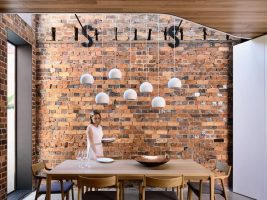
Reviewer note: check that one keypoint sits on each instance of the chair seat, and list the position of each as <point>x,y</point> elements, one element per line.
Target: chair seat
<point>205,188</point>
<point>160,195</point>
<point>101,195</point>
<point>56,187</point>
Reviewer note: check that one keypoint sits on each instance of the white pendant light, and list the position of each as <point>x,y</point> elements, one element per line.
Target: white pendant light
<point>102,97</point>
<point>130,94</point>
<point>158,102</point>
<point>174,83</point>
<point>87,79</point>
<point>115,73</point>
<point>146,87</point>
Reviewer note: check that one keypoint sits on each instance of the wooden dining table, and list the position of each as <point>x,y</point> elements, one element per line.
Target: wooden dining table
<point>129,170</point>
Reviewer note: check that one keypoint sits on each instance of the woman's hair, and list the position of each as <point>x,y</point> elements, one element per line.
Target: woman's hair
<point>93,113</point>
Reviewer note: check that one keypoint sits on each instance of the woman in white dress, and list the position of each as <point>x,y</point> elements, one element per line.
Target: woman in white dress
<point>94,136</point>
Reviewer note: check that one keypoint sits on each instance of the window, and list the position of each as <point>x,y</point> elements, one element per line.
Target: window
<point>11,119</point>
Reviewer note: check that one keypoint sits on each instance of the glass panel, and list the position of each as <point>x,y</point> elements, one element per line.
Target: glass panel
<point>11,139</point>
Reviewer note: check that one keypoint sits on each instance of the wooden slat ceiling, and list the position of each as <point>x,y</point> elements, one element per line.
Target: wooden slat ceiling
<point>242,18</point>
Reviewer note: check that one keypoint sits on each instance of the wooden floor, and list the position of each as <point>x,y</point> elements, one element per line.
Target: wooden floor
<point>132,194</point>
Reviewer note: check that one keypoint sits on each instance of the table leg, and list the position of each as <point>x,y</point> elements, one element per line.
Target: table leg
<point>212,187</point>
<point>48,187</point>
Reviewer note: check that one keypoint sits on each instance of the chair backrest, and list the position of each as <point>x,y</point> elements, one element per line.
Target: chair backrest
<point>223,167</point>
<point>97,182</point>
<point>163,182</point>
<point>37,168</point>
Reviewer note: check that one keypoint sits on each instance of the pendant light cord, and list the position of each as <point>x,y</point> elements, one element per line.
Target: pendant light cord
<point>174,33</point>
<point>146,68</point>
<point>158,54</point>
<point>130,51</point>
<point>102,53</point>
<point>116,42</point>
<point>174,67</point>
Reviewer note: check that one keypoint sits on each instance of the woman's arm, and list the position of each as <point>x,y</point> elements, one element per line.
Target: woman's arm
<point>91,139</point>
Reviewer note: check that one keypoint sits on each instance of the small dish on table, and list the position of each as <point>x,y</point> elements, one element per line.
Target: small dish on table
<point>105,160</point>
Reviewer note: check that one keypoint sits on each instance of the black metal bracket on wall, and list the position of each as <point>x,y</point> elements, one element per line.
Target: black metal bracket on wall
<point>149,34</point>
<point>205,33</point>
<point>53,34</point>
<point>135,34</point>
<point>76,34</point>
<point>182,33</point>
<point>116,33</point>
<point>96,34</point>
<point>165,33</point>
<point>84,32</point>
<point>173,30</point>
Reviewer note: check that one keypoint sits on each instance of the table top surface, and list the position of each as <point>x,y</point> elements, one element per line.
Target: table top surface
<point>131,167</point>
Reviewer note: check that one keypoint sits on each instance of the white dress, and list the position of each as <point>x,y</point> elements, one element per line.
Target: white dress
<point>97,135</point>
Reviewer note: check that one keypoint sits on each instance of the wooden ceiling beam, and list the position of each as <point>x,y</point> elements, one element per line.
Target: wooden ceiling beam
<point>242,18</point>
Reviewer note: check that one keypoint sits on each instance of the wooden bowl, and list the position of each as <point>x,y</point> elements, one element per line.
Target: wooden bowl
<point>152,161</point>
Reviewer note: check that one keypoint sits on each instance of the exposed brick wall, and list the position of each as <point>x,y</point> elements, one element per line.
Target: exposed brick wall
<point>17,25</point>
<point>198,116</point>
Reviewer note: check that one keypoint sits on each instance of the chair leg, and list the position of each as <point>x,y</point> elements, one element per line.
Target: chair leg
<point>72,194</point>
<point>68,195</point>
<point>122,190</point>
<point>118,192</point>
<point>200,190</point>
<point>37,190</point>
<point>140,190</point>
<point>143,193</point>
<point>224,190</point>
<point>189,194</point>
<point>181,193</point>
<point>79,193</point>
<point>62,190</point>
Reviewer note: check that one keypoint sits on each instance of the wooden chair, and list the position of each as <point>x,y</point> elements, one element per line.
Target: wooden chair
<point>201,187</point>
<point>57,187</point>
<point>176,182</point>
<point>98,182</point>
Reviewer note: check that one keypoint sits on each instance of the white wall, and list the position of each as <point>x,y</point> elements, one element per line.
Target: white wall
<point>249,118</point>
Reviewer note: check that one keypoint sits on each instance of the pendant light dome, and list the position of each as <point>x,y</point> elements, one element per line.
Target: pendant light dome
<point>130,94</point>
<point>115,74</point>
<point>146,87</point>
<point>102,98</point>
<point>87,79</point>
<point>174,83</point>
<point>158,102</point>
